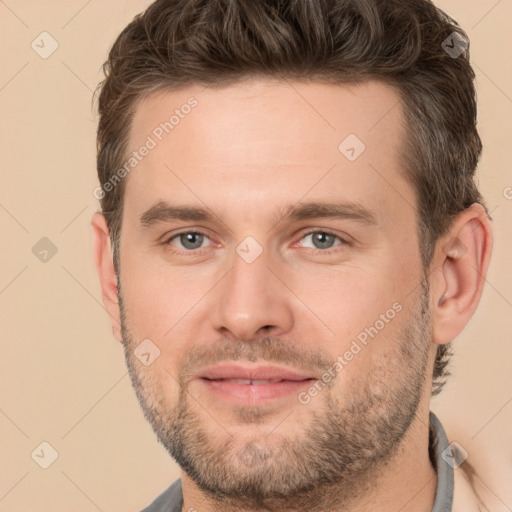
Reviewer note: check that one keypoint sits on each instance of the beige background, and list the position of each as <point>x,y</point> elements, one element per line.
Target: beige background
<point>62,374</point>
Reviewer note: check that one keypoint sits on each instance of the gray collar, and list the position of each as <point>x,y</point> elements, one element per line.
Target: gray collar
<point>171,500</point>
<point>439,445</point>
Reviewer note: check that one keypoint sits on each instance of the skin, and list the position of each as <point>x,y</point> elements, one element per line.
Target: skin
<point>245,152</point>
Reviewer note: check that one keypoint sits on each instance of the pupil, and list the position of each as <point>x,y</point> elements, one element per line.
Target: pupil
<point>187,240</point>
<point>323,239</point>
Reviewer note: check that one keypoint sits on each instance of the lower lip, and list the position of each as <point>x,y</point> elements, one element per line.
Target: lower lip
<point>249,393</point>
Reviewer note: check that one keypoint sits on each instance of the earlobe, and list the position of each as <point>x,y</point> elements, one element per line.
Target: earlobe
<point>104,266</point>
<point>462,264</point>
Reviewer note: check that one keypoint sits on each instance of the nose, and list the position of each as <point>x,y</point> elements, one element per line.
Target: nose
<point>253,301</point>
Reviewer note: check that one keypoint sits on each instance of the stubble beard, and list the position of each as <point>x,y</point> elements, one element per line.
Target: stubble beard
<point>338,456</point>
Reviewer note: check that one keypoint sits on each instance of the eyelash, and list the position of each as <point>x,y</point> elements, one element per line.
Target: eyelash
<point>199,252</point>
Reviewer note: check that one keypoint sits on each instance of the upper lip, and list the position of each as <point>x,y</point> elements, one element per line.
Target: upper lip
<point>230,371</point>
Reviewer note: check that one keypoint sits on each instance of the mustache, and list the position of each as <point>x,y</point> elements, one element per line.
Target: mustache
<point>268,349</point>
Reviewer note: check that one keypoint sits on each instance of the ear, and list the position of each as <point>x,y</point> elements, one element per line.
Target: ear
<point>462,259</point>
<point>103,258</point>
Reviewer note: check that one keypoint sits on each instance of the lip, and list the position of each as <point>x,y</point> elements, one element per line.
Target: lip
<point>224,382</point>
<point>231,371</point>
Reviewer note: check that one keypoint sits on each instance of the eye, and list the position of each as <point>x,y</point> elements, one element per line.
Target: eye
<point>188,240</point>
<point>323,240</point>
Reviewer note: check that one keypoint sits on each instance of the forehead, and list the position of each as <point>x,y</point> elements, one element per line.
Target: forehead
<point>308,111</point>
<point>268,140</point>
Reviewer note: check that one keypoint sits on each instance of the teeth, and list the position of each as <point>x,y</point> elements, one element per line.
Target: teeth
<point>252,382</point>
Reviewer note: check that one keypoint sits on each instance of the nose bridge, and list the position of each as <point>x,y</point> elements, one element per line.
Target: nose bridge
<point>251,297</point>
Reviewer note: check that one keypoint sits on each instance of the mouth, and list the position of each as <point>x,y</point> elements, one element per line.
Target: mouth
<point>253,385</point>
<point>251,382</point>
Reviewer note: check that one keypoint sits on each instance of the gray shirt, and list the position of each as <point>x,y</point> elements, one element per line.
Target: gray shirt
<point>171,500</point>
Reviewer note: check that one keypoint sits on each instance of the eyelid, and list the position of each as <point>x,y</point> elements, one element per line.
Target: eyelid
<point>310,231</point>
<point>166,239</point>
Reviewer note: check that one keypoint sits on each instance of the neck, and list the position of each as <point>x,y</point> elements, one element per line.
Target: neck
<point>406,481</point>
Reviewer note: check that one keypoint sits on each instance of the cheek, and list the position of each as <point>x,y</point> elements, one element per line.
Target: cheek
<point>162,306</point>
<point>356,315</point>
<point>151,363</point>
<point>347,299</point>
<point>156,298</point>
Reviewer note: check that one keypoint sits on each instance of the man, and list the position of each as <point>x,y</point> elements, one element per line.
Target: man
<point>290,238</point>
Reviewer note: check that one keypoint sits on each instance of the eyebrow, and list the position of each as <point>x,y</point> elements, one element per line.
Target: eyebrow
<point>164,212</point>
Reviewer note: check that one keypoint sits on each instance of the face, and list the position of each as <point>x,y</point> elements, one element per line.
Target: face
<point>273,263</point>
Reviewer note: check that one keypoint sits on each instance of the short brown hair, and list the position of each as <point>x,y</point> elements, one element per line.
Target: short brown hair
<point>175,43</point>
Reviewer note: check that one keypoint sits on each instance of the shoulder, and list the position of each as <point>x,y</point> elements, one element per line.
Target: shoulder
<point>482,480</point>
